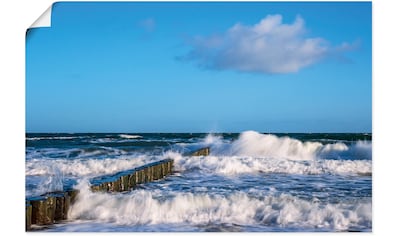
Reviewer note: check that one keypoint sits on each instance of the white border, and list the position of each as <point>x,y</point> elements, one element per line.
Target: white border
<point>17,16</point>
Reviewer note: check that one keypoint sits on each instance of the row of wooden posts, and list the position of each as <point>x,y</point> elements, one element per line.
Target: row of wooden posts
<point>127,180</point>
<point>53,207</point>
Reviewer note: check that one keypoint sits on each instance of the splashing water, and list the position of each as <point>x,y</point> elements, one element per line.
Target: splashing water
<point>249,182</point>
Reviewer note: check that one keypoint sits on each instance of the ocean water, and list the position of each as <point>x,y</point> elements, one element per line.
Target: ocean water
<point>249,182</point>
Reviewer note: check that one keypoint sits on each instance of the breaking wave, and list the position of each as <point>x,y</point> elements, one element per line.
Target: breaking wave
<point>151,207</point>
<point>254,144</point>
<point>230,165</point>
<point>85,167</point>
<point>52,138</point>
<point>129,136</point>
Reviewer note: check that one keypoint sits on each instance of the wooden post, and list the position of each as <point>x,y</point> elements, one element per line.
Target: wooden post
<point>60,213</point>
<point>73,194</point>
<point>43,210</point>
<point>28,216</point>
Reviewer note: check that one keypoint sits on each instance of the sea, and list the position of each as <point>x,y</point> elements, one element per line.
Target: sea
<point>250,182</point>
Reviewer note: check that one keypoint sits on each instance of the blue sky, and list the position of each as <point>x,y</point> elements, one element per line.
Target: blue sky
<point>201,67</point>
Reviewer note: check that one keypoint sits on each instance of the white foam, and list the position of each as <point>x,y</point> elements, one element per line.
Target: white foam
<point>52,138</point>
<point>334,147</point>
<point>251,143</point>
<point>85,167</point>
<point>102,140</point>
<point>49,174</point>
<point>230,165</point>
<point>150,207</point>
<point>53,182</point>
<point>128,136</point>
<point>254,152</point>
<point>74,152</point>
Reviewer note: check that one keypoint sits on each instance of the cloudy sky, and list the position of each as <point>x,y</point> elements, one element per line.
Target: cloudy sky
<point>201,67</point>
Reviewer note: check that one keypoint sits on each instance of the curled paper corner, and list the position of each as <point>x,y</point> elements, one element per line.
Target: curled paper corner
<point>44,19</point>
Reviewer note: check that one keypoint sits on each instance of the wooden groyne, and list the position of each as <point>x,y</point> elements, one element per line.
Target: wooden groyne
<point>127,180</point>
<point>53,207</point>
<point>49,208</point>
<point>200,152</point>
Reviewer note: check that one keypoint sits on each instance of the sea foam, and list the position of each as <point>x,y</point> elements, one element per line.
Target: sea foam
<point>253,152</point>
<point>251,143</point>
<point>231,165</point>
<point>85,167</point>
<point>130,136</point>
<point>149,207</point>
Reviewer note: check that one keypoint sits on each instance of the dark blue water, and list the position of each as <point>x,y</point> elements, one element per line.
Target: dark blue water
<point>250,182</point>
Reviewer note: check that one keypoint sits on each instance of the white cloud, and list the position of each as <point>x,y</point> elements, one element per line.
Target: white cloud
<point>267,47</point>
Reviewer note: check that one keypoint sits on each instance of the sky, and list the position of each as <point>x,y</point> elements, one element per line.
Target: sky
<point>201,67</point>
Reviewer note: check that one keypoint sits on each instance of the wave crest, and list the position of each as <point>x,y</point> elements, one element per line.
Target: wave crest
<point>130,136</point>
<point>149,207</point>
<point>231,165</point>
<point>83,167</point>
<point>251,143</point>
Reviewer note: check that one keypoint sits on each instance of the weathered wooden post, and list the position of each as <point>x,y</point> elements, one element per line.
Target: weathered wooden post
<point>95,188</point>
<point>151,173</point>
<point>73,194</point>
<point>142,176</point>
<point>118,185</point>
<point>60,206</point>
<point>170,164</point>
<point>124,182</point>
<point>28,216</point>
<point>146,172</point>
<point>43,210</point>
<point>67,205</point>
<point>201,152</point>
<point>132,179</point>
<point>163,171</point>
<point>156,172</point>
